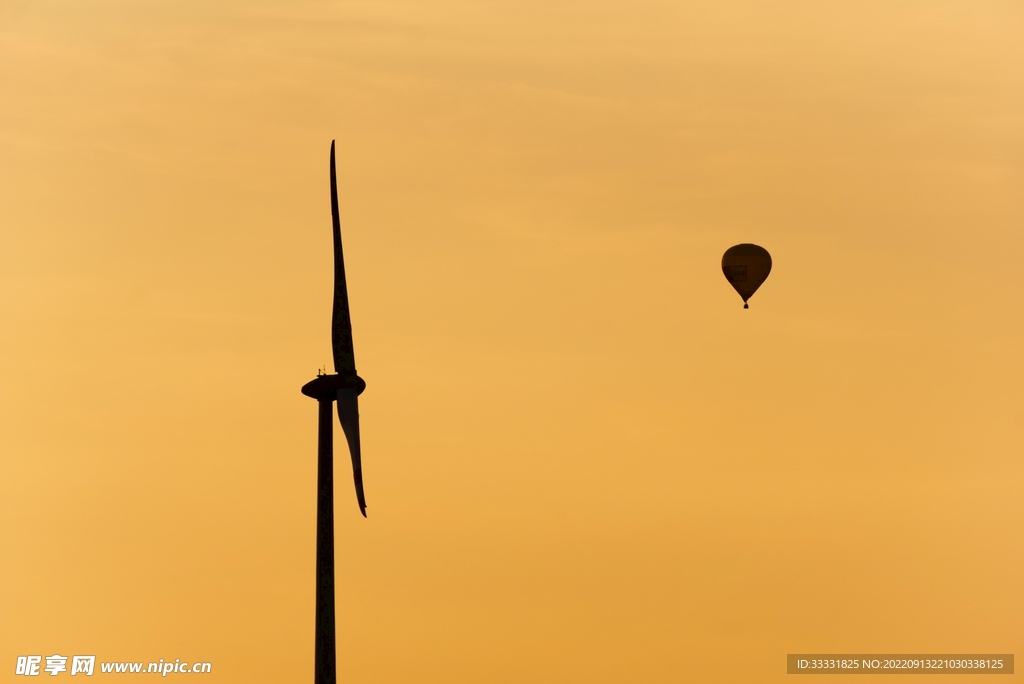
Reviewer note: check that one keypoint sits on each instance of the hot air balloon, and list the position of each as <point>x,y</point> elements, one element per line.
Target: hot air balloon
<point>746,267</point>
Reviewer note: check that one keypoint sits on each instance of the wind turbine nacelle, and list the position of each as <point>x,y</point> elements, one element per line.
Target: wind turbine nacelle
<point>327,386</point>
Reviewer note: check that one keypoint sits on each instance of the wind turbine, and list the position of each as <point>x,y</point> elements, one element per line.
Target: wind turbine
<point>344,386</point>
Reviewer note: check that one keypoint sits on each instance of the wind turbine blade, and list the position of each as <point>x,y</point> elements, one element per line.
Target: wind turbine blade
<point>341,321</point>
<point>348,414</point>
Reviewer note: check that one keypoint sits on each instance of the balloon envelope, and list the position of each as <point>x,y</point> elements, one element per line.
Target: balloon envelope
<point>746,267</point>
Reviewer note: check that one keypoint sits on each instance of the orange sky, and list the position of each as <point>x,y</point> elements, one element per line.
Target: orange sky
<point>584,461</point>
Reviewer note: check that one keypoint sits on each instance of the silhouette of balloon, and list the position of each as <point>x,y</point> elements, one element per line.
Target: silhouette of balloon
<point>746,267</point>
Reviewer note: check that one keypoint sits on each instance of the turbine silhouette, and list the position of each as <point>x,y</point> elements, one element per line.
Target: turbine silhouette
<point>344,386</point>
